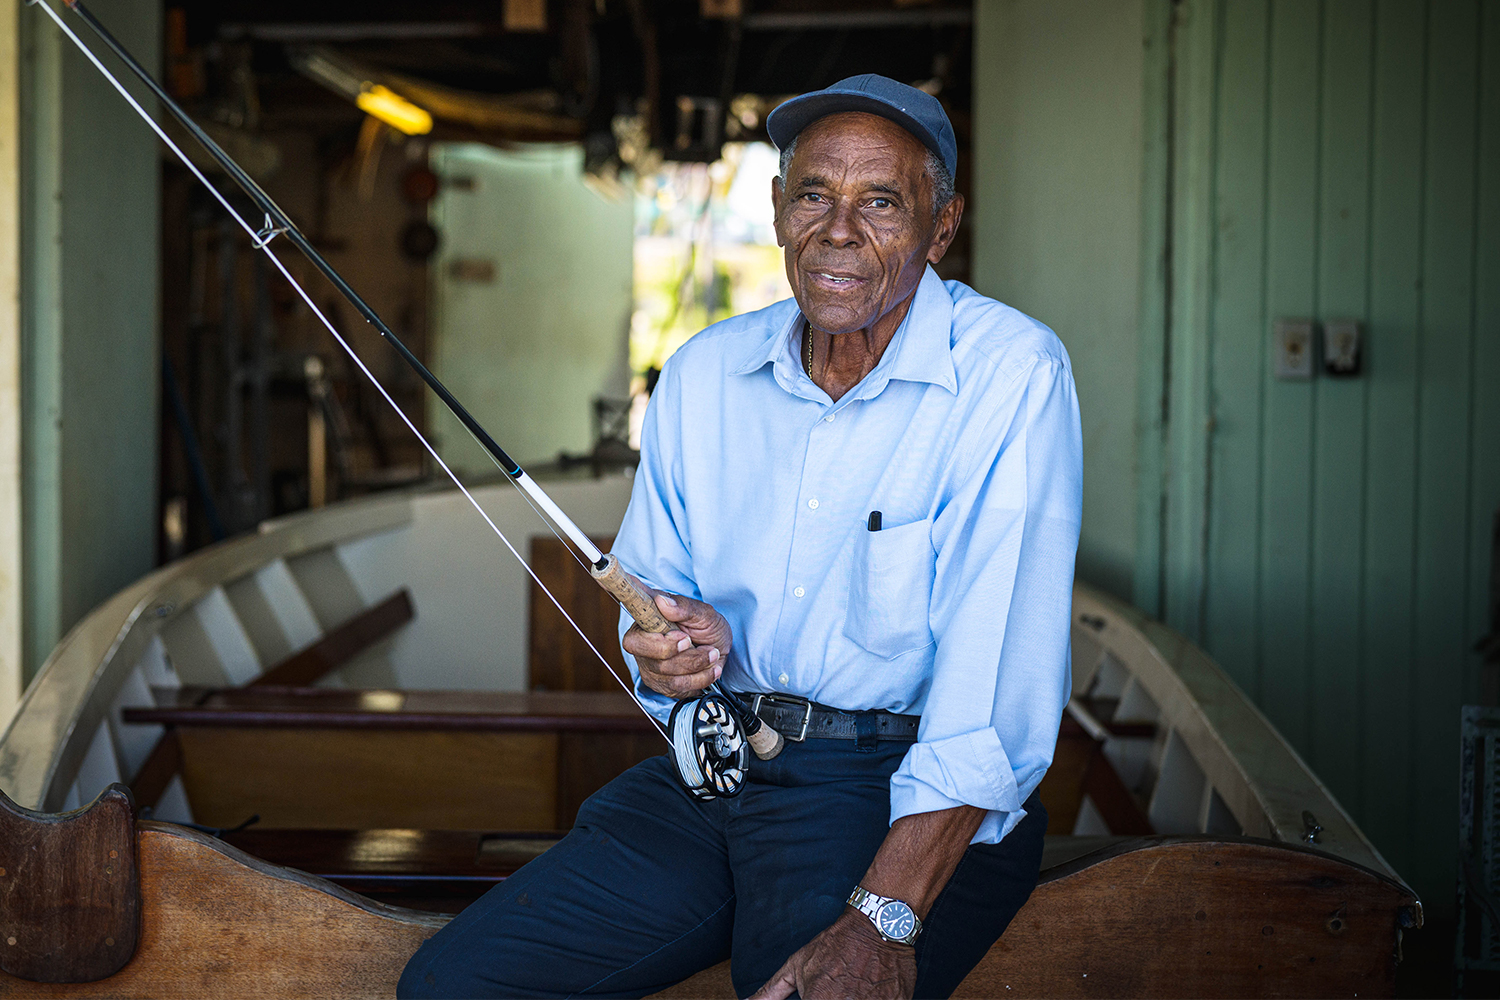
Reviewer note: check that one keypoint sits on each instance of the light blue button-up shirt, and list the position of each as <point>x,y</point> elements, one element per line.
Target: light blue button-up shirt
<point>754,493</point>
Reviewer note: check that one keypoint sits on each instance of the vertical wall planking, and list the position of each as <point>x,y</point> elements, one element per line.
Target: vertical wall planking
<point>1443,421</point>
<point>1390,421</point>
<point>1188,349</point>
<point>1291,290</point>
<point>1230,619</point>
<point>1484,386</point>
<point>1338,426</point>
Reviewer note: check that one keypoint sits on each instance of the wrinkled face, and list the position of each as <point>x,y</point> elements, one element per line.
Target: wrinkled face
<point>855,220</point>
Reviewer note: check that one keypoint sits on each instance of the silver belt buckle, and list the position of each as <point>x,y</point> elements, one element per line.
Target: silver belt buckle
<point>787,699</point>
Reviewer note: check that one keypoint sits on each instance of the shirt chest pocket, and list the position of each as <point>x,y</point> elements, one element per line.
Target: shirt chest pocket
<point>891,590</point>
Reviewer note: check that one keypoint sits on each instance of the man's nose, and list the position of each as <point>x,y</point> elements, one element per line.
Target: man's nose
<point>841,226</point>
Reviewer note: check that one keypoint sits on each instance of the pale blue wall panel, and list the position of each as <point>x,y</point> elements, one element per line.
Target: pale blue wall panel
<point>1339,421</point>
<point>1391,417</point>
<point>1230,615</point>
<point>1291,290</point>
<point>1443,424</point>
<point>1353,176</point>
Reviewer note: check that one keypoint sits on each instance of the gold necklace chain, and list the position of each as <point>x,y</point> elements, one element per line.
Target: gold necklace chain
<point>807,352</point>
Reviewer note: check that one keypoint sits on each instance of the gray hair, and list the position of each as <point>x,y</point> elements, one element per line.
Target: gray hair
<point>942,180</point>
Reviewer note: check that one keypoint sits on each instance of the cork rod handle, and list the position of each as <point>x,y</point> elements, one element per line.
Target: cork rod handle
<point>765,741</point>
<point>629,592</point>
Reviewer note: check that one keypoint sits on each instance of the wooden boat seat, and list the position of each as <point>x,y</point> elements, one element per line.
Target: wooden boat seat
<point>434,870</point>
<point>329,758</point>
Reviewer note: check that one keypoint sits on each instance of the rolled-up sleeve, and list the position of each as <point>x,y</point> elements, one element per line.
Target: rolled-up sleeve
<point>1005,541</point>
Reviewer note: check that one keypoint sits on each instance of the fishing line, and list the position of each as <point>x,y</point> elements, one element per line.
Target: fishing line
<point>262,240</point>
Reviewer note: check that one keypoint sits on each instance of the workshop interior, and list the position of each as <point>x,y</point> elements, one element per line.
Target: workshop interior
<point>283,629</point>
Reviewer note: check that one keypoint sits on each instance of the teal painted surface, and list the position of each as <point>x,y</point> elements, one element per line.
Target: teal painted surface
<point>529,350</point>
<point>1056,221</point>
<point>90,222</point>
<point>1346,164</point>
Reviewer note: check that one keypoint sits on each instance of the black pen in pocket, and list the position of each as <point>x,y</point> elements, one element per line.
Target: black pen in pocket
<point>874,524</point>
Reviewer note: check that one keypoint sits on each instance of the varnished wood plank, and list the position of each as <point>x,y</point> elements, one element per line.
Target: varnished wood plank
<point>326,708</point>
<point>69,890</point>
<point>449,867</point>
<point>1187,917</point>
<point>1446,354</point>
<point>356,779</point>
<point>587,761</point>
<point>341,645</point>
<point>1391,420</point>
<point>1339,422</point>
<point>1291,275</point>
<point>1061,790</point>
<point>1240,360</point>
<point>158,770</point>
<point>1119,809</point>
<point>216,922</point>
<point>558,659</point>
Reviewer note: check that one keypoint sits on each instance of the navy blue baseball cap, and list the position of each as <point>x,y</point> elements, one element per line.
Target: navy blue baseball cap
<point>919,113</point>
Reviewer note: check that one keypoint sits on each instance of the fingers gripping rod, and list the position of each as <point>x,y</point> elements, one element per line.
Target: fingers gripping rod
<point>765,741</point>
<point>604,568</point>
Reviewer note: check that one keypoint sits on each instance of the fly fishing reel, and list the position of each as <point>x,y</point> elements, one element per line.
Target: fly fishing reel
<point>709,747</point>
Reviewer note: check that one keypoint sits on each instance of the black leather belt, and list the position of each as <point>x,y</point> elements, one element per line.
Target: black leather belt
<point>798,719</point>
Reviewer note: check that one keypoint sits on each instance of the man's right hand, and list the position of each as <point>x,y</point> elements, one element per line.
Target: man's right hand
<point>687,659</point>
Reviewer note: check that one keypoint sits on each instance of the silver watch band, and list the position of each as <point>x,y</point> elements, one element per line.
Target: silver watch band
<point>871,905</point>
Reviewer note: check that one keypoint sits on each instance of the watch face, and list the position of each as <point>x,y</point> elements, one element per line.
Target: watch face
<point>896,920</point>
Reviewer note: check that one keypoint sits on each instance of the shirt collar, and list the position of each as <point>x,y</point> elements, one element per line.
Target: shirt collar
<point>921,350</point>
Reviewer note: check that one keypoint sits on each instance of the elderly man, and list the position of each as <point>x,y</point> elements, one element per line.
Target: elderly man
<point>864,505</point>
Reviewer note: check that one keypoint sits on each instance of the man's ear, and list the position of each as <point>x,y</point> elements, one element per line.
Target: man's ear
<point>946,228</point>
<point>776,195</point>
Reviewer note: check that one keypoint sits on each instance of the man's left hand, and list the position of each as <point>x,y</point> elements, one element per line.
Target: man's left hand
<point>849,959</point>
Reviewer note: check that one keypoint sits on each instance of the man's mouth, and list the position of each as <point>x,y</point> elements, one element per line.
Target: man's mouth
<point>837,280</point>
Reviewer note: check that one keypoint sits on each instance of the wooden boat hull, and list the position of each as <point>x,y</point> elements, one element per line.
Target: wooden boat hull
<point>1163,916</point>
<point>1256,883</point>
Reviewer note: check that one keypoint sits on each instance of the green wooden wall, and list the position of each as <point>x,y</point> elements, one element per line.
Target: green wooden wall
<point>1055,224</point>
<point>1329,541</point>
<point>89,221</point>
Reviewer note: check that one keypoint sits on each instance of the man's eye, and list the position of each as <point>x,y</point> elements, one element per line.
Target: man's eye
<point>812,196</point>
<point>880,203</point>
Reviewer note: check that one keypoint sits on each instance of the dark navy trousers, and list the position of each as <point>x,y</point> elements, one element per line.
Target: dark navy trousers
<point>651,886</point>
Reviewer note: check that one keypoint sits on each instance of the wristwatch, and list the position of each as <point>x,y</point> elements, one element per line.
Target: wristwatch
<point>893,919</point>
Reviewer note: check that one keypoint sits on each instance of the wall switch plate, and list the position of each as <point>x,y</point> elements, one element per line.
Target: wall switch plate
<point>1341,347</point>
<point>1294,349</point>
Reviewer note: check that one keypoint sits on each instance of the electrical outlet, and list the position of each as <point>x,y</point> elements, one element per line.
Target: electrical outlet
<point>1341,347</point>
<point>1294,349</point>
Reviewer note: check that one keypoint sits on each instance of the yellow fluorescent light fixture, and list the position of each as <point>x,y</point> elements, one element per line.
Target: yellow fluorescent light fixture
<point>393,109</point>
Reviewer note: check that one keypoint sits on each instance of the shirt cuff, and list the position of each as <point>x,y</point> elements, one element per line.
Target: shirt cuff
<point>970,769</point>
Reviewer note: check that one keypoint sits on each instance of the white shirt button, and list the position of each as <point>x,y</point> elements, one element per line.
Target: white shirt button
<point>783,679</point>
<point>799,592</point>
<point>828,419</point>
<point>813,503</point>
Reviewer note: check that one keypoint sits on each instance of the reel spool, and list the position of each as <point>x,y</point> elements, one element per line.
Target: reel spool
<point>709,747</point>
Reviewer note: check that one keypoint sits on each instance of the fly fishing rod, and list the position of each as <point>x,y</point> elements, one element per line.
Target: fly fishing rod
<point>709,734</point>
